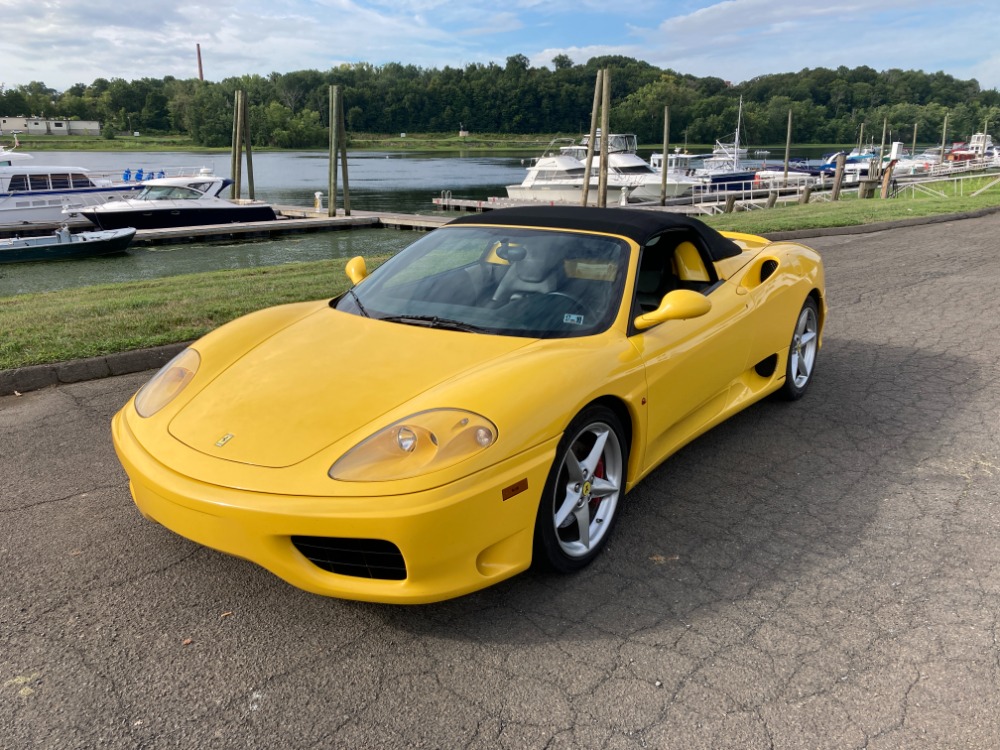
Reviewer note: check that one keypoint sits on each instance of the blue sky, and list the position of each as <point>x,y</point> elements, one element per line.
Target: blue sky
<point>61,42</point>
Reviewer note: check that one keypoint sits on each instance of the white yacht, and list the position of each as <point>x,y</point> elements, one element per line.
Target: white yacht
<point>31,193</point>
<point>177,202</point>
<point>557,176</point>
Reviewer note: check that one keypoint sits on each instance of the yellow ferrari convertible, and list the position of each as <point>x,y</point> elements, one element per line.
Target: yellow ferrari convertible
<point>482,401</point>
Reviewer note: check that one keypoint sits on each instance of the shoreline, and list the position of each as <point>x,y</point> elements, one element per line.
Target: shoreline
<point>431,142</point>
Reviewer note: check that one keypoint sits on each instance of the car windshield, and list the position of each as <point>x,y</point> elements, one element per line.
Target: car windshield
<point>500,280</point>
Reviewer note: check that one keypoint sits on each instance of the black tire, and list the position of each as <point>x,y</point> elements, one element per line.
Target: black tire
<point>582,494</point>
<point>802,351</point>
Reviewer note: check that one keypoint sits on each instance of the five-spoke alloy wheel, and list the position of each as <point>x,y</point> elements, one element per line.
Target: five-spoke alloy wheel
<point>802,352</point>
<point>581,497</point>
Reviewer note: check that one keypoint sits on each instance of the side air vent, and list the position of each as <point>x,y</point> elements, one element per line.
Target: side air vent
<point>767,268</point>
<point>362,558</point>
<point>765,368</point>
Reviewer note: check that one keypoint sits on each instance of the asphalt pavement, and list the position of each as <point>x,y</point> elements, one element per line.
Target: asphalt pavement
<point>822,574</point>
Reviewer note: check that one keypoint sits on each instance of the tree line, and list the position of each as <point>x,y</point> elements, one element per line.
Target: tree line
<point>290,110</point>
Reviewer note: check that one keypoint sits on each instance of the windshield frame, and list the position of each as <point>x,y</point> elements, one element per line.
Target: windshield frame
<point>562,283</point>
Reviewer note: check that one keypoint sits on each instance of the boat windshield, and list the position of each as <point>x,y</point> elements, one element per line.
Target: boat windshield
<point>499,280</point>
<point>635,169</point>
<point>167,193</point>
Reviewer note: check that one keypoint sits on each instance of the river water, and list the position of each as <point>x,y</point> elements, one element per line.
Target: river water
<point>379,181</point>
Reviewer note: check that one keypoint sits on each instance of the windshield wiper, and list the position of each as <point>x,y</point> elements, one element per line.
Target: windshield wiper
<point>433,321</point>
<point>357,301</point>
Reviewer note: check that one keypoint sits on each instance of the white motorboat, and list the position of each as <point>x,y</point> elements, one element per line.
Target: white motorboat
<point>718,171</point>
<point>177,202</point>
<point>32,193</point>
<point>557,176</point>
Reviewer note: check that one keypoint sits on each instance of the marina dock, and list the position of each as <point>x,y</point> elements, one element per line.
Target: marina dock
<point>291,219</point>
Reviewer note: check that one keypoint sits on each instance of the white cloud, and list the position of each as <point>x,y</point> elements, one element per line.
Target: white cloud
<point>740,39</point>
<point>61,42</point>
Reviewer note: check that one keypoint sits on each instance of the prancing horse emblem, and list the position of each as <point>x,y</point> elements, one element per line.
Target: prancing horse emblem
<point>224,439</point>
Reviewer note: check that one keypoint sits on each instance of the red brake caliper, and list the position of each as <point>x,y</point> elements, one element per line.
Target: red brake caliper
<point>599,473</point>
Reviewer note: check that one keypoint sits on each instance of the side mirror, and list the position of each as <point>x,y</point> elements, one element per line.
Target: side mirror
<point>356,270</point>
<point>677,305</point>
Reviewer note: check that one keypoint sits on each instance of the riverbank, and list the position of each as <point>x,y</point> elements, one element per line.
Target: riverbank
<point>427,142</point>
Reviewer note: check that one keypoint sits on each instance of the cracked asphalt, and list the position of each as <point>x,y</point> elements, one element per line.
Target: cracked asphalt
<point>823,574</point>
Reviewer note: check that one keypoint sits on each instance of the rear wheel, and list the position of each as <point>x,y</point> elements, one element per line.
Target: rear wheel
<point>802,352</point>
<point>580,501</point>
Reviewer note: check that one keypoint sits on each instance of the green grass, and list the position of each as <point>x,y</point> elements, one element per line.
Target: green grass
<point>850,211</point>
<point>32,143</point>
<point>90,321</point>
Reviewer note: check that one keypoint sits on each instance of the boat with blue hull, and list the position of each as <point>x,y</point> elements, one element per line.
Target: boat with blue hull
<point>64,245</point>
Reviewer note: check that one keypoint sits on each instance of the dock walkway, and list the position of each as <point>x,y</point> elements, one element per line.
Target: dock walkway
<point>291,219</point>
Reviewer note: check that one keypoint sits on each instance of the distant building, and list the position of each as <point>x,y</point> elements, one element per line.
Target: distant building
<point>38,126</point>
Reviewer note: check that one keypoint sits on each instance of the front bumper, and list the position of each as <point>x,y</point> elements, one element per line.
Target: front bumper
<point>454,539</point>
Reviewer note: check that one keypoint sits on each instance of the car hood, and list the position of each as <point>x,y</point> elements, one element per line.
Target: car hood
<point>321,379</point>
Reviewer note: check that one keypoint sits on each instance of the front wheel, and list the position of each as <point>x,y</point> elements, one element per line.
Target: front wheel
<point>802,352</point>
<point>580,501</point>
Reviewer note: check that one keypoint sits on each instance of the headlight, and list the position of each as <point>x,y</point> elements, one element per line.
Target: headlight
<point>167,383</point>
<point>419,444</point>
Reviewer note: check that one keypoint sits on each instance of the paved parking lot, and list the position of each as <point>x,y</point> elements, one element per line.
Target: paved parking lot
<point>824,574</point>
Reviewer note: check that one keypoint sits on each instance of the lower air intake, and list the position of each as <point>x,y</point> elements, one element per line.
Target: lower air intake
<point>361,558</point>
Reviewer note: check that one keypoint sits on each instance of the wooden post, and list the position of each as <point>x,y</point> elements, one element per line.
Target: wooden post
<point>913,148</point>
<point>238,174</point>
<point>331,209</point>
<point>878,167</point>
<point>730,204</point>
<point>788,148</point>
<point>772,198</point>
<point>887,179</point>
<point>593,136</point>
<point>234,148</point>
<point>944,136</point>
<point>343,155</point>
<point>602,180</point>
<point>247,142</point>
<point>838,176</point>
<point>806,194</point>
<point>666,156</point>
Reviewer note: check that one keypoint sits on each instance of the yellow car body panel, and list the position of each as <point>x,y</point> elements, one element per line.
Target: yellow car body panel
<point>455,539</point>
<point>240,459</point>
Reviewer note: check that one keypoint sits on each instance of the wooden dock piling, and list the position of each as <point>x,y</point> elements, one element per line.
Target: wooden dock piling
<point>594,113</point>
<point>241,140</point>
<point>338,150</point>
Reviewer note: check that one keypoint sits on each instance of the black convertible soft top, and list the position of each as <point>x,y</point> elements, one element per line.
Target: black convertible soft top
<point>634,224</point>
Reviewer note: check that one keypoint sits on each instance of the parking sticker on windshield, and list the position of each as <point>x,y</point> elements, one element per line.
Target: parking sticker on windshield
<point>576,320</point>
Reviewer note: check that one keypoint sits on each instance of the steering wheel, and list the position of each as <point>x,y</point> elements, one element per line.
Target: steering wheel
<point>576,307</point>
